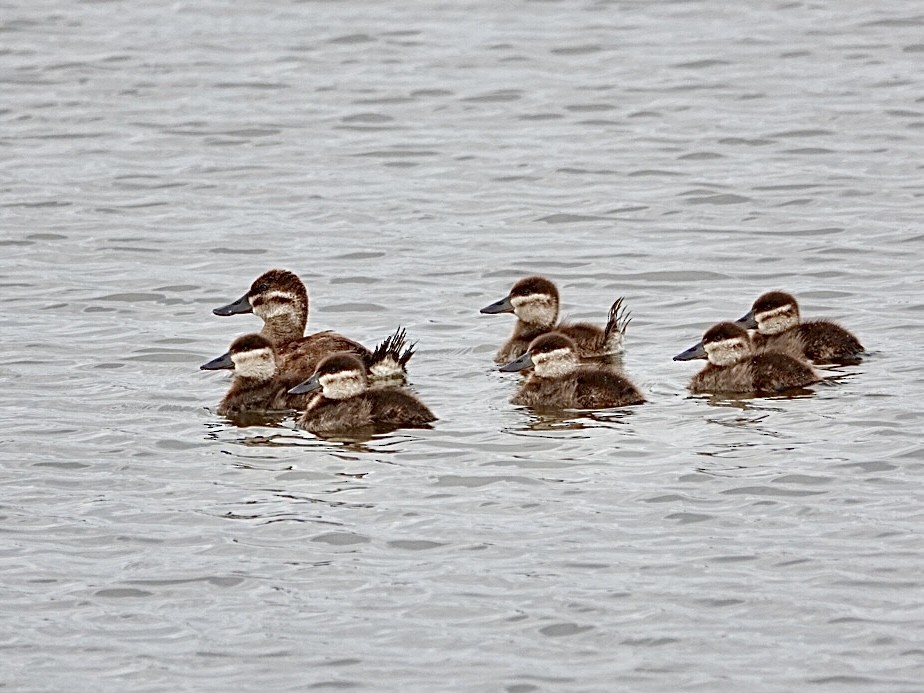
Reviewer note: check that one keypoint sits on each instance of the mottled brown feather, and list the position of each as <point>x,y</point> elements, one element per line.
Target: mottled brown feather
<point>379,408</point>
<point>588,387</point>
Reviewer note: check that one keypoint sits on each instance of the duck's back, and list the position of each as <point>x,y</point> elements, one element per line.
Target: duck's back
<point>298,359</point>
<point>398,407</point>
<point>768,371</point>
<point>775,371</point>
<point>587,388</point>
<point>826,341</point>
<point>325,415</point>
<point>598,388</point>
<point>588,337</point>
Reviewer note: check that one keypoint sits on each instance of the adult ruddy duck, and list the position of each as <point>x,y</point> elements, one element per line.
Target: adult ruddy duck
<point>534,300</point>
<point>255,387</point>
<point>560,380</point>
<point>735,367</point>
<point>280,299</point>
<point>775,316</point>
<point>346,402</point>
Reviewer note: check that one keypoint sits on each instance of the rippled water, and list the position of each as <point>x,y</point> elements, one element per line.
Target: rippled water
<point>410,161</point>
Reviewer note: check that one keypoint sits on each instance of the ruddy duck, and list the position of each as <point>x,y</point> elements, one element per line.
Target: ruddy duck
<point>280,299</point>
<point>258,385</point>
<point>534,300</point>
<point>775,316</point>
<point>255,387</point>
<point>346,402</point>
<point>560,380</point>
<point>734,367</point>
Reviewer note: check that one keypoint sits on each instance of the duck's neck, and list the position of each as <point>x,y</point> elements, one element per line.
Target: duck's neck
<point>283,328</point>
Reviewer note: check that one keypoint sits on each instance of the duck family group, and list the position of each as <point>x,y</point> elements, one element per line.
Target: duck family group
<point>340,385</point>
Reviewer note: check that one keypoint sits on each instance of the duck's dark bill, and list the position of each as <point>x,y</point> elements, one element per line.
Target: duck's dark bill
<point>697,351</point>
<point>522,363</point>
<point>747,321</point>
<point>241,305</point>
<point>309,385</point>
<point>502,306</point>
<point>219,363</point>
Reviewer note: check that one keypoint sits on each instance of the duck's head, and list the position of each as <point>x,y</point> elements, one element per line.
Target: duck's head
<point>250,356</point>
<point>534,300</point>
<point>726,343</point>
<point>774,312</point>
<point>273,293</point>
<point>338,376</point>
<point>550,355</point>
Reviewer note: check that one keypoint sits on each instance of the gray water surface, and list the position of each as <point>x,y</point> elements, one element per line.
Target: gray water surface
<point>410,161</point>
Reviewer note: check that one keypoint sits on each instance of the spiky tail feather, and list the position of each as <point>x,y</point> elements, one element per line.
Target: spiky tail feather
<point>388,363</point>
<point>614,334</point>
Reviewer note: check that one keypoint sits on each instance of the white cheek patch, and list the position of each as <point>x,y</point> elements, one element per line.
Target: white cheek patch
<point>776,320</point>
<point>343,384</point>
<point>259,364</point>
<point>554,364</point>
<point>535,309</point>
<point>276,303</point>
<point>726,352</point>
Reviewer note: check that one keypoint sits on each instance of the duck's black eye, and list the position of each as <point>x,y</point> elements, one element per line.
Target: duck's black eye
<point>263,287</point>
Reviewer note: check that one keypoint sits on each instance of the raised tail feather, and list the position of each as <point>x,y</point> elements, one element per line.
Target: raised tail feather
<point>614,334</point>
<point>388,363</point>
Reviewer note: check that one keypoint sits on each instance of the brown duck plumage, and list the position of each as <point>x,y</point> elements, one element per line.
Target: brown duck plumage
<point>734,367</point>
<point>559,380</point>
<point>280,299</point>
<point>255,386</point>
<point>775,316</point>
<point>346,402</point>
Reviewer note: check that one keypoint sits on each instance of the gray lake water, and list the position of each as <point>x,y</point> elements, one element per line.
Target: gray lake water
<point>410,161</point>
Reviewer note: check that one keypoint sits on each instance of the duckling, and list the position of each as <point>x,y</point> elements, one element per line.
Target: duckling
<point>534,300</point>
<point>258,384</point>
<point>255,387</point>
<point>775,316</point>
<point>735,367</point>
<point>346,401</point>
<point>560,380</point>
<point>280,299</point>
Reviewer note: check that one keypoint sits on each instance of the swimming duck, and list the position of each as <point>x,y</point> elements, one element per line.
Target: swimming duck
<point>258,385</point>
<point>775,316</point>
<point>560,380</point>
<point>346,402</point>
<point>255,387</point>
<point>280,299</point>
<point>735,367</point>
<point>534,300</point>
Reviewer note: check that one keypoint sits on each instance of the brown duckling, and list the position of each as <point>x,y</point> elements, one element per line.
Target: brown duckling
<point>775,316</point>
<point>259,386</point>
<point>735,367</point>
<point>280,299</point>
<point>560,380</point>
<point>346,402</point>
<point>534,301</point>
<point>255,387</point>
